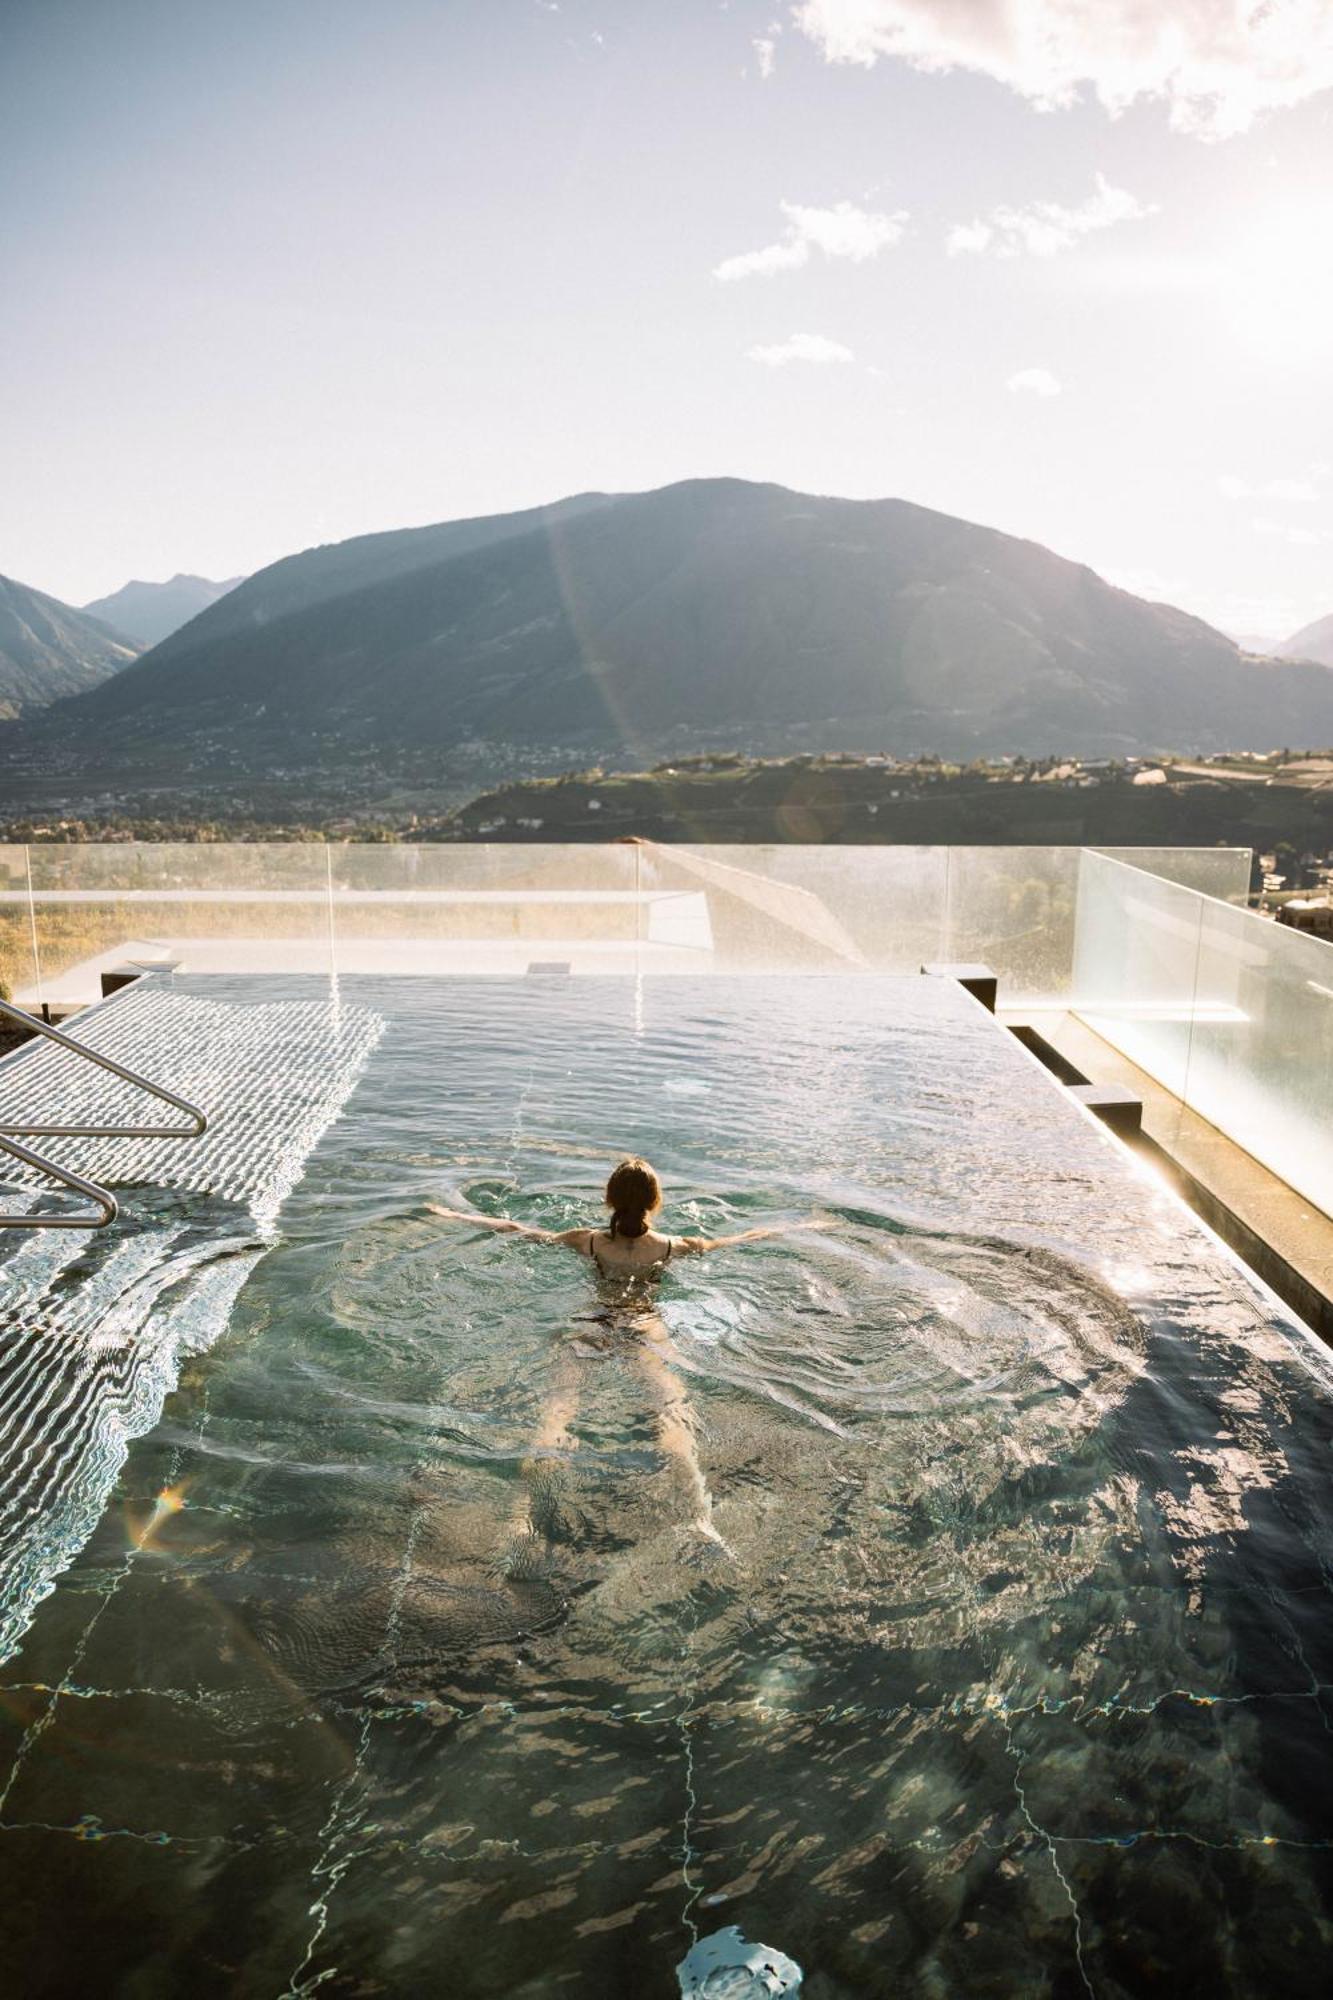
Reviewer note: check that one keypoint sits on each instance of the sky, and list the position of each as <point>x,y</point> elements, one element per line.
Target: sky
<point>278,272</point>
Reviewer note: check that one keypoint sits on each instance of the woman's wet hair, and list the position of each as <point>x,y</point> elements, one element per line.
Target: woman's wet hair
<point>632,1194</point>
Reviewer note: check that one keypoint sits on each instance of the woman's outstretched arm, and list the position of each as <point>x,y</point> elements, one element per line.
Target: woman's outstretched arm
<point>573,1239</point>
<point>698,1245</point>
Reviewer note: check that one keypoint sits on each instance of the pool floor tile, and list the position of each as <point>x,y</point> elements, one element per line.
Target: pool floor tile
<point>176,1770</point>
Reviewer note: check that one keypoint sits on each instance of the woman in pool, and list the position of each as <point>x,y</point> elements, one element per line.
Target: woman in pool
<point>629,1247</point>
<point>629,1253</point>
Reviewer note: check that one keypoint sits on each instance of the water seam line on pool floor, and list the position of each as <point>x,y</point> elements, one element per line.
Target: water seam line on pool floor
<point>720,1715</point>
<point>336,1856</point>
<point>40,1724</point>
<point>684,1721</point>
<point>1049,1840</point>
<point>1298,1650</point>
<point>1018,1759</point>
<point>38,1727</point>
<point>331,1865</point>
<point>89,1830</point>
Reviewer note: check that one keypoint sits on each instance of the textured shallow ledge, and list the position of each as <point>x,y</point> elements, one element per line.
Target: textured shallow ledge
<point>93,1331</point>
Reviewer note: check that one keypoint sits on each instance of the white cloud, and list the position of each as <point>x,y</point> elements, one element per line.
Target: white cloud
<point>1046,227</point>
<point>1297,491</point>
<point>785,256</point>
<point>969,236</point>
<point>1033,382</point>
<point>845,231</point>
<point>1299,538</point>
<point>766,51</point>
<point>1218,64</point>
<point>802,347</point>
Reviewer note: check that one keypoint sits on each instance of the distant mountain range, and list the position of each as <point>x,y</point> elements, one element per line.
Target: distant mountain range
<point>1255,642</point>
<point>150,612</point>
<point>339,569</point>
<point>49,650</point>
<point>630,628</point>
<point>1312,642</point>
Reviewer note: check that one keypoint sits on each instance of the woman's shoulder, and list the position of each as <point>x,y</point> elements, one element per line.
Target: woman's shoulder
<point>630,1251</point>
<point>688,1245</point>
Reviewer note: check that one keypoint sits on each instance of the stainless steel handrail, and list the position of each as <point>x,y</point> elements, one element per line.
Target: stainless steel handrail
<point>107,1209</point>
<point>104,1198</point>
<point>198,1119</point>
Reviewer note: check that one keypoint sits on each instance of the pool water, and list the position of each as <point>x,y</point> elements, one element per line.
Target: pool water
<point>1012,1670</point>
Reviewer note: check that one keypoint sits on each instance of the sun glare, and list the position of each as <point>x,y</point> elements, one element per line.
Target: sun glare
<point>1278,283</point>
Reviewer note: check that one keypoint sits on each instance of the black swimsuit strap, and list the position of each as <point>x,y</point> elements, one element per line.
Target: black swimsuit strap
<point>592,1252</point>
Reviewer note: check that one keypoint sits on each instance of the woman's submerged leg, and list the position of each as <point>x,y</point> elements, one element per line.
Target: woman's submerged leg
<point>676,1422</point>
<point>537,1499</point>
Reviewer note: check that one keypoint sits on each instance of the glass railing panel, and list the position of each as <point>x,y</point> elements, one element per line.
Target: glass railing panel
<point>1223,872</point>
<point>18,971</point>
<point>491,908</point>
<point>542,866</point>
<point>1012,908</point>
<point>895,908</point>
<point>614,906</point>
<point>1136,955</point>
<point>210,906</point>
<point>1261,1056</point>
<point>815,908</point>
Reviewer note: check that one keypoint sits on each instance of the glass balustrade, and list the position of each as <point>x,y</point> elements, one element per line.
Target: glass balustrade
<point>70,912</point>
<point>1152,947</point>
<point>1231,1012</point>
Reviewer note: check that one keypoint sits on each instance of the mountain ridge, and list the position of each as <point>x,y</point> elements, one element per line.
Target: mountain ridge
<point>335,569</point>
<point>150,612</point>
<point>1312,642</point>
<point>49,650</point>
<point>710,613</point>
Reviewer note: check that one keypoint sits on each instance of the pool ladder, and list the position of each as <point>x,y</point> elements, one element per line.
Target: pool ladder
<point>105,1209</point>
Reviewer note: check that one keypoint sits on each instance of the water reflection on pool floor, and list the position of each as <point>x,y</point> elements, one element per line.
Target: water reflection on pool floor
<point>1015,1674</point>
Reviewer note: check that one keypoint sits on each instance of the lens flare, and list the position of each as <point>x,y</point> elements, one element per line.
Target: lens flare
<point>169,1502</point>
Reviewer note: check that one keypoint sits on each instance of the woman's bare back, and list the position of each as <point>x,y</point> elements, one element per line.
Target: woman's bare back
<point>618,1256</point>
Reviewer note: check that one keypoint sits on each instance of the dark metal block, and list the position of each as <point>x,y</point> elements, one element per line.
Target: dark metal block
<point>979,980</point>
<point>1119,1109</point>
<point>119,976</point>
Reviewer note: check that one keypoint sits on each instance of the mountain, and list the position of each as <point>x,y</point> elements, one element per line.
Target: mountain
<point>1254,642</point>
<point>715,613</point>
<point>1312,642</point>
<point>338,569</point>
<point>150,612</point>
<point>47,649</point>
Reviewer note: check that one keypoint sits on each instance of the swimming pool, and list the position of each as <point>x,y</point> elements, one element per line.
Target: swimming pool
<point>1018,1676</point>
